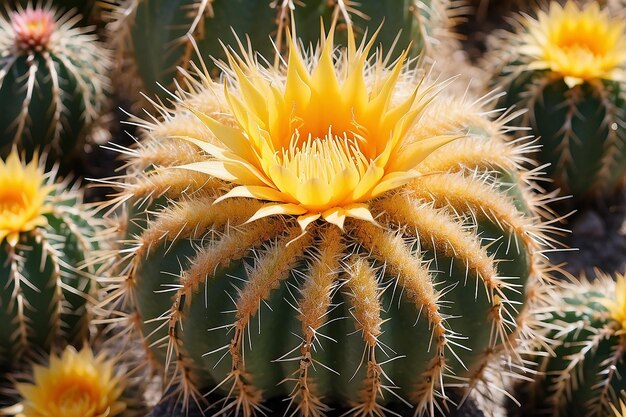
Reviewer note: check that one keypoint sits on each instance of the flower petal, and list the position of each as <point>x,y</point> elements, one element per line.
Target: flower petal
<point>277,209</point>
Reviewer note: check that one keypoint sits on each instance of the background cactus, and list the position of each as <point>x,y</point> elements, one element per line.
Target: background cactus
<point>45,234</point>
<point>584,374</point>
<point>154,36</point>
<point>396,290</point>
<point>567,67</point>
<point>53,82</point>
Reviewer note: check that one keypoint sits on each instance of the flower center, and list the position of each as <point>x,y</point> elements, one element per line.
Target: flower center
<point>581,42</point>
<point>13,201</point>
<point>33,29</point>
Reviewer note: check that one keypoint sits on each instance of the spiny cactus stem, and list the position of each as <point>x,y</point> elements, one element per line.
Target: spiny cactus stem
<point>613,123</point>
<point>458,191</point>
<point>56,105</point>
<point>444,235</point>
<point>270,269</point>
<point>313,309</point>
<point>192,219</point>
<point>415,278</point>
<point>59,286</point>
<point>568,377</point>
<point>229,248</point>
<point>17,300</point>
<point>475,153</point>
<point>22,119</point>
<point>366,310</point>
<point>172,183</point>
<point>564,149</point>
<point>607,374</point>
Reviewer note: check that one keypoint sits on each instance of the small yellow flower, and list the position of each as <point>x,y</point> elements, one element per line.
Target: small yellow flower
<point>578,44</point>
<point>77,384</point>
<point>23,195</point>
<point>617,305</point>
<point>321,137</point>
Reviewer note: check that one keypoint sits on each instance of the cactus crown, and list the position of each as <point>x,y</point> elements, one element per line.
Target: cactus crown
<point>288,149</point>
<point>23,194</point>
<point>577,43</point>
<point>33,29</point>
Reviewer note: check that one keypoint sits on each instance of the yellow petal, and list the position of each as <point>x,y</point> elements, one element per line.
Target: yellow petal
<point>305,220</point>
<point>277,209</point>
<point>258,192</point>
<point>336,216</point>
<point>412,155</point>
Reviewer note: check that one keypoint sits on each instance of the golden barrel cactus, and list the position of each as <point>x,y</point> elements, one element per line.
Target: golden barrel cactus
<point>336,232</point>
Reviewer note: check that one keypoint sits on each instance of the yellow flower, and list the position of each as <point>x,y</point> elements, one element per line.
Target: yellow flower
<point>23,194</point>
<point>321,137</point>
<point>578,44</point>
<point>617,304</point>
<point>77,384</point>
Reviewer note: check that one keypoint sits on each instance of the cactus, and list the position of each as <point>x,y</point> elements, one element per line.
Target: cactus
<point>583,374</point>
<point>53,81</point>
<point>156,34</point>
<point>45,234</point>
<point>567,67</point>
<point>388,255</point>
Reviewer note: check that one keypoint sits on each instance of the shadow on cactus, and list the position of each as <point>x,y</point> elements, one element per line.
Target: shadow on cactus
<point>337,232</point>
<point>568,66</point>
<point>53,82</point>
<point>45,234</point>
<point>585,367</point>
<point>154,37</point>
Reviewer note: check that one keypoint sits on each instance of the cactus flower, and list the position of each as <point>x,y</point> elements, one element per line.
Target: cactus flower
<point>578,43</point>
<point>23,193</point>
<point>76,384</point>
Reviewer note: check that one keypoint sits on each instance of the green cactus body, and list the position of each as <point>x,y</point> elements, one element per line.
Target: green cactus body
<point>157,33</point>
<point>43,241</point>
<point>584,373</point>
<point>358,303</point>
<point>53,82</point>
<point>576,109</point>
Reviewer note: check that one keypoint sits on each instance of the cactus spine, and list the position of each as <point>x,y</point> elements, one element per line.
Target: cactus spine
<point>583,375</point>
<point>567,67</point>
<point>156,34</point>
<point>387,263</point>
<point>53,81</point>
<point>45,234</point>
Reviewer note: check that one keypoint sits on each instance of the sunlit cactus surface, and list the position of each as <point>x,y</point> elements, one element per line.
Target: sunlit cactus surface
<point>337,232</point>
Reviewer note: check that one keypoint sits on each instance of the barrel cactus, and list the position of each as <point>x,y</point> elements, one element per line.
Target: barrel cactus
<point>155,36</point>
<point>53,81</point>
<point>584,374</point>
<point>567,66</point>
<point>337,232</point>
<point>45,235</point>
